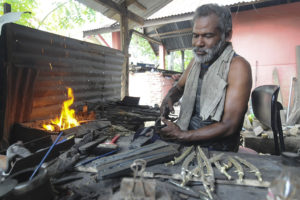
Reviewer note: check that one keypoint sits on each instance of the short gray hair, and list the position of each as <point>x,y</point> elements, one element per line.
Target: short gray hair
<point>222,12</point>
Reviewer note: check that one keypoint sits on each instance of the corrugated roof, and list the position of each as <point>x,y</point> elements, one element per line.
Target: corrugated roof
<point>136,7</point>
<point>175,31</point>
<point>183,6</point>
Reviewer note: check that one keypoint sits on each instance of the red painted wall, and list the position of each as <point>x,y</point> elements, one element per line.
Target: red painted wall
<point>267,38</point>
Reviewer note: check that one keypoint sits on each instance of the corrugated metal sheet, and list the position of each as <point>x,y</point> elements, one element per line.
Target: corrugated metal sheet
<point>183,6</point>
<point>39,66</point>
<point>151,6</point>
<point>174,36</point>
<point>177,15</point>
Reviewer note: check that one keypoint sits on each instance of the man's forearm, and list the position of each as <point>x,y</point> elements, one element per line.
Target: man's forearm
<point>175,93</point>
<point>213,131</point>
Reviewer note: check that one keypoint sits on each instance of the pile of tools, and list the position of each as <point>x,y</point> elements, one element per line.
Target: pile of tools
<point>198,168</point>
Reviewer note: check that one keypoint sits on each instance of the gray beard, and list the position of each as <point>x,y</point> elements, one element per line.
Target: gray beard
<point>210,53</point>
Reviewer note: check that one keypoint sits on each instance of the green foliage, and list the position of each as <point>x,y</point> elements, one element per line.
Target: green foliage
<point>67,15</point>
<point>141,51</point>
<point>22,6</point>
<point>188,55</point>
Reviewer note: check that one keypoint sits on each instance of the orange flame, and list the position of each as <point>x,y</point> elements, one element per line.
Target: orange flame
<point>67,117</point>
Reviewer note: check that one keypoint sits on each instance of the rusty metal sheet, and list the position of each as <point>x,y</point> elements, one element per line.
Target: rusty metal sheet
<point>37,67</point>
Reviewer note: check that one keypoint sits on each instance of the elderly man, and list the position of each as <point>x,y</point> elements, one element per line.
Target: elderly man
<point>215,87</point>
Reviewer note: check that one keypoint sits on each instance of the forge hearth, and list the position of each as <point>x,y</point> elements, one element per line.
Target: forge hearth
<point>36,67</point>
<point>36,137</point>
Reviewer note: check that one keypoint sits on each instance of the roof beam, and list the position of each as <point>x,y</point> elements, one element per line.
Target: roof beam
<point>176,35</point>
<point>146,37</point>
<point>121,10</point>
<point>171,32</point>
<point>138,4</point>
<point>147,23</point>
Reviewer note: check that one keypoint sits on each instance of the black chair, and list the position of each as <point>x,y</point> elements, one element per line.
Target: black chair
<point>267,110</point>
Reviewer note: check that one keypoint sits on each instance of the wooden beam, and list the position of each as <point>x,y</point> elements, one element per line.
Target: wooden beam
<point>135,18</point>
<point>177,35</point>
<point>171,32</point>
<point>111,5</point>
<point>138,4</point>
<point>147,23</point>
<point>146,37</point>
<point>121,10</point>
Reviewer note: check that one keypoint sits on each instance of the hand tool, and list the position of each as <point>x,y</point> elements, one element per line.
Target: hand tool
<point>239,168</point>
<point>210,171</point>
<point>181,157</point>
<point>202,175</point>
<point>185,168</point>
<point>251,167</point>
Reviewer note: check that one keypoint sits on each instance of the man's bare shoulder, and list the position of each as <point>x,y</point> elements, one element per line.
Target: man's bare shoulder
<point>240,63</point>
<point>240,67</point>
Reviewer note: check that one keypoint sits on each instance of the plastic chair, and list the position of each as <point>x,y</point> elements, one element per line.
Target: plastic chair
<point>267,110</point>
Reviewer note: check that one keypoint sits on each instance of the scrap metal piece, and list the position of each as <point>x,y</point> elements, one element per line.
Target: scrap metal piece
<point>187,190</point>
<point>179,158</point>
<point>202,175</point>
<point>239,168</point>
<point>210,171</point>
<point>222,169</point>
<point>251,167</point>
<point>246,182</point>
<point>184,169</point>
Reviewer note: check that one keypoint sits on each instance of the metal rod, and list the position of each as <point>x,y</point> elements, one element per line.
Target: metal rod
<point>46,155</point>
<point>88,161</point>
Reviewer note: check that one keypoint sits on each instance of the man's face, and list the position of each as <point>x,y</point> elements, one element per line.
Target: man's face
<point>207,38</point>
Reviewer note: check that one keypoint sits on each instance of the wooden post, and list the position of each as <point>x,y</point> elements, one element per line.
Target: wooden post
<point>162,54</point>
<point>6,8</point>
<point>171,61</point>
<point>296,103</point>
<point>125,45</point>
<point>294,116</point>
<point>182,60</point>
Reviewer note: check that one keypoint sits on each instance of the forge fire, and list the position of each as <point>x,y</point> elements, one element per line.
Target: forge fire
<point>67,117</point>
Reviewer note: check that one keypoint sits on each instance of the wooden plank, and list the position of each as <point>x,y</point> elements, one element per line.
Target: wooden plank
<point>294,116</point>
<point>121,10</point>
<point>266,145</point>
<point>147,37</point>
<point>171,32</point>
<point>135,2</point>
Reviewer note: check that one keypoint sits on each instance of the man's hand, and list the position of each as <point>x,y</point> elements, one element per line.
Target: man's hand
<point>171,131</point>
<point>173,96</point>
<point>166,107</point>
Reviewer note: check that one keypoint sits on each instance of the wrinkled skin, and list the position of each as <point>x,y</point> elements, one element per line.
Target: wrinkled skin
<point>206,35</point>
<point>173,96</point>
